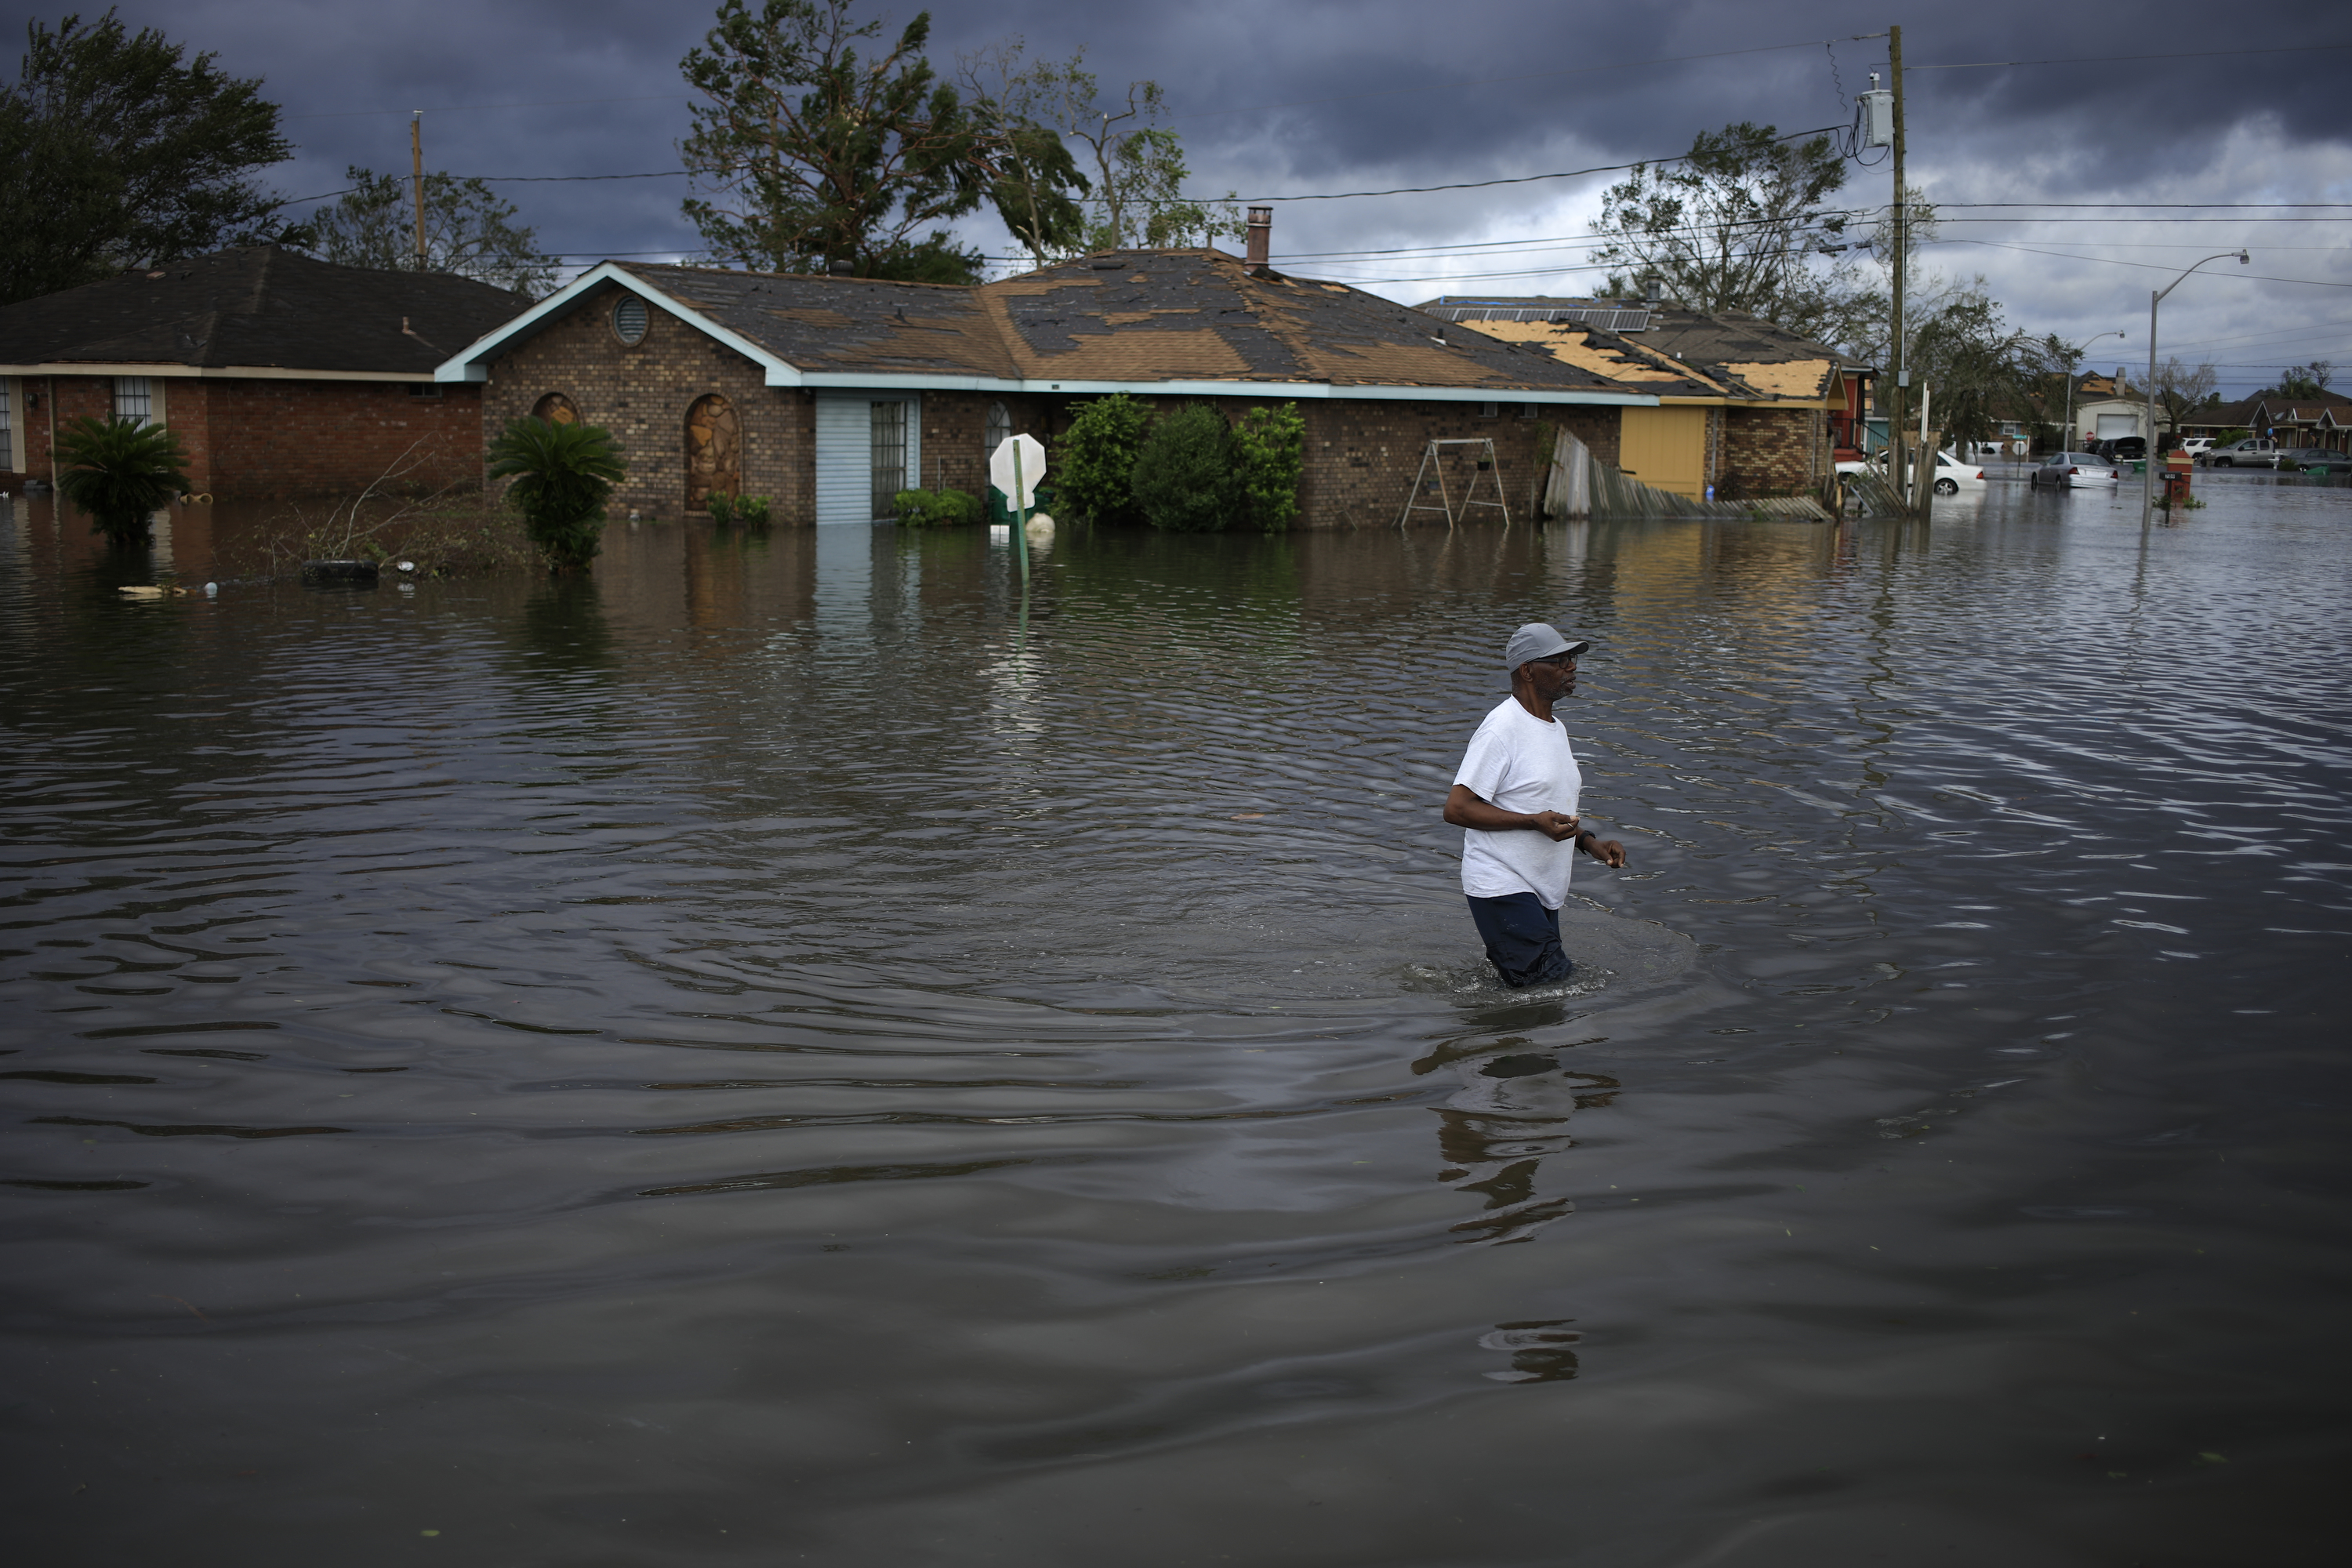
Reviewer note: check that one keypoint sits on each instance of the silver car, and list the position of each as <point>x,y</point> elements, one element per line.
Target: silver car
<point>2075,470</point>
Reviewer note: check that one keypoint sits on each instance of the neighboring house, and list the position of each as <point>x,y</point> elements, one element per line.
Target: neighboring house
<point>1746,408</point>
<point>2220,418</point>
<point>829,395</point>
<point>2107,408</point>
<point>280,375</point>
<point>2321,420</point>
<point>2324,420</point>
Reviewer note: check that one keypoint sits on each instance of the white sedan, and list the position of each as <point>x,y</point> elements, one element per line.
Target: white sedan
<point>1952,476</point>
<point>2077,470</point>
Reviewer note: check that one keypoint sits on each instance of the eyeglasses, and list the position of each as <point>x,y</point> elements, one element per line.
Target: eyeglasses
<point>1557,661</point>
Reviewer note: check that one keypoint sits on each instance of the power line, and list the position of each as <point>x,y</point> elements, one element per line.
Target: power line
<point>473,108</point>
<point>2105,59</point>
<point>2150,266</point>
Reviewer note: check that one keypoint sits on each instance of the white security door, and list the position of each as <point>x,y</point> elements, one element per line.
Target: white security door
<point>852,465</point>
<point>844,458</point>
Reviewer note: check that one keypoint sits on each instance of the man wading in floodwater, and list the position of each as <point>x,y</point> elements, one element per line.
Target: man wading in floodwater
<point>1515,798</point>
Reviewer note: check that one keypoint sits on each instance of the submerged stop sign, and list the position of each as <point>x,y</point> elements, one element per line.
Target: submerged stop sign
<point>1032,469</point>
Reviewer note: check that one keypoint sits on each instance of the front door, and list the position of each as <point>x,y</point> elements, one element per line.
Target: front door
<point>714,451</point>
<point>888,437</point>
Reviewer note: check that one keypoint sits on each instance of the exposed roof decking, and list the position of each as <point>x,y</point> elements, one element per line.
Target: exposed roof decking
<point>1730,347</point>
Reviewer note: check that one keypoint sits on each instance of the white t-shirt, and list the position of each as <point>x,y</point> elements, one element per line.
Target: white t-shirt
<point>1520,763</point>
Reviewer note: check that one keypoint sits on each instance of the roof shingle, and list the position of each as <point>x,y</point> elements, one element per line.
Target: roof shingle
<point>261,306</point>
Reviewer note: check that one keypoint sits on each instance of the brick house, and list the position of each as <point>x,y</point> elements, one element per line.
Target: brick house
<point>280,375</point>
<point>1745,408</point>
<point>829,395</point>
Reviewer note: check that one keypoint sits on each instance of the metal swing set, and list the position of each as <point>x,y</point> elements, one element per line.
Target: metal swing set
<point>1431,456</point>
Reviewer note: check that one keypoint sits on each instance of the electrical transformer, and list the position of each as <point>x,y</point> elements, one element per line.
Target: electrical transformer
<point>1878,118</point>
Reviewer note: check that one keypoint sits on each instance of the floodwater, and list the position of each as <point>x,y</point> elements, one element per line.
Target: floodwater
<point>776,1055</point>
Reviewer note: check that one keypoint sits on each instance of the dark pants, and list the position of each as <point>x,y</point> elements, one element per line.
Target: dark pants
<point>1522,937</point>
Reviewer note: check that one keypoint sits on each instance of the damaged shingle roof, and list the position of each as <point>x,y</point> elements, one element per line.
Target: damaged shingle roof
<point>842,323</point>
<point>1130,316</point>
<point>259,306</point>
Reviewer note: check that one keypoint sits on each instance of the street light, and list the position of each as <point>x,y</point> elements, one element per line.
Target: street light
<point>2148,462</point>
<point>2079,348</point>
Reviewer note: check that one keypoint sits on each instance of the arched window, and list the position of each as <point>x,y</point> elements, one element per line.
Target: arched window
<point>555,409</point>
<point>999,425</point>
<point>629,319</point>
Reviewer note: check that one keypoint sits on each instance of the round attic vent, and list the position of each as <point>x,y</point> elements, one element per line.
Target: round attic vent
<point>629,319</point>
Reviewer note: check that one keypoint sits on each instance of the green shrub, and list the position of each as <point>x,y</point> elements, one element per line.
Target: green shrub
<point>1185,475</point>
<point>563,475</point>
<point>722,506</point>
<point>1094,460</point>
<point>119,471</point>
<point>752,511</point>
<point>943,507</point>
<point>1272,447</point>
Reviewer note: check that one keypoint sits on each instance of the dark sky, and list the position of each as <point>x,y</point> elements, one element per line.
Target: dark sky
<point>1282,98</point>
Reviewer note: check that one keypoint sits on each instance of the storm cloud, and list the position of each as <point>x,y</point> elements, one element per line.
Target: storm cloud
<point>2145,105</point>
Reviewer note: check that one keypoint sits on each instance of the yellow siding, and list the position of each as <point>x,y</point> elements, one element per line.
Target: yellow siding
<point>1665,449</point>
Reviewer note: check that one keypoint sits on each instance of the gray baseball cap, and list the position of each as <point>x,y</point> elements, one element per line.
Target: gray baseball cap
<point>1537,640</point>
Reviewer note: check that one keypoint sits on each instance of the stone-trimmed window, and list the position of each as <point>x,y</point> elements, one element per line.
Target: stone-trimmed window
<point>556,409</point>
<point>630,319</point>
<point>998,430</point>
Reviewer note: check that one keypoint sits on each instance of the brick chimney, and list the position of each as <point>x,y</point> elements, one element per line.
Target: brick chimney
<point>1261,235</point>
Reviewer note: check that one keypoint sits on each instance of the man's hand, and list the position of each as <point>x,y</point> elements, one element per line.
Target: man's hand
<point>1608,851</point>
<point>1465,807</point>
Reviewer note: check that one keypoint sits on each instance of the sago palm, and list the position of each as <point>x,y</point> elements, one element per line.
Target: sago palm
<point>118,471</point>
<point>563,475</point>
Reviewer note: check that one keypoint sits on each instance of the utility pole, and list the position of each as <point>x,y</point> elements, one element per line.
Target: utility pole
<point>416,165</point>
<point>1898,469</point>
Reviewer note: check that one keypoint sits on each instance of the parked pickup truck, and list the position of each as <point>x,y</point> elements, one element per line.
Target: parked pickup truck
<point>2253,452</point>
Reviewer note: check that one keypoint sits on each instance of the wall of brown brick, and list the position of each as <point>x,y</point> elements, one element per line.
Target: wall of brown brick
<point>641,393</point>
<point>1774,452</point>
<point>268,439</point>
<point>1362,456</point>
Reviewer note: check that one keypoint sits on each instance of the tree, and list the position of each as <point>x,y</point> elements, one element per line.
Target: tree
<point>1145,175</point>
<point>814,156</point>
<point>1013,101</point>
<point>1730,226</point>
<point>562,474</point>
<point>2306,380</point>
<point>468,231</point>
<point>118,471</point>
<point>119,153</point>
<point>2180,388</point>
<point>1136,194</point>
<point>1979,372</point>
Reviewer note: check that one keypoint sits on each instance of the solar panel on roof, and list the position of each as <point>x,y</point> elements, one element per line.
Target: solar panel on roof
<point>1604,318</point>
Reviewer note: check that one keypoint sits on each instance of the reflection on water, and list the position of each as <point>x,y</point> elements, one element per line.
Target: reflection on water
<point>788,1049</point>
